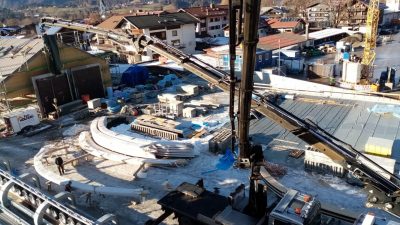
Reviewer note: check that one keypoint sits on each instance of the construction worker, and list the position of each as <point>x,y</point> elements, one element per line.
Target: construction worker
<point>68,186</point>
<point>60,166</point>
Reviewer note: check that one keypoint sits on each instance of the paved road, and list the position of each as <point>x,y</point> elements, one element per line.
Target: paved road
<point>387,55</point>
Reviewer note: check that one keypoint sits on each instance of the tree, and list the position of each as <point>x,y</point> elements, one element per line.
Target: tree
<point>340,10</point>
<point>94,18</point>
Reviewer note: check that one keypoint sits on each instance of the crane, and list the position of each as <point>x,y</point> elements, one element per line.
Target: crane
<point>102,8</point>
<point>370,37</point>
<point>382,192</point>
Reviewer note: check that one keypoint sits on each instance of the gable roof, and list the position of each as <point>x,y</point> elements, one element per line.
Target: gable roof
<point>272,42</point>
<point>14,52</point>
<point>112,22</point>
<point>161,20</point>
<point>201,12</point>
<point>283,22</point>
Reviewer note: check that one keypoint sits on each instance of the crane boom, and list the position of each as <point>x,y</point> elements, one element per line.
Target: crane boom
<point>383,192</point>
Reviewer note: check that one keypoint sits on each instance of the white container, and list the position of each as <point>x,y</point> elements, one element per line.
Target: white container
<point>94,103</point>
<point>20,119</point>
<point>189,112</point>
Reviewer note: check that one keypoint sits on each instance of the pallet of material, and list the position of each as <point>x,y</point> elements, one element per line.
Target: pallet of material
<point>171,150</point>
<point>155,132</point>
<point>166,128</point>
<point>296,153</point>
<point>220,142</point>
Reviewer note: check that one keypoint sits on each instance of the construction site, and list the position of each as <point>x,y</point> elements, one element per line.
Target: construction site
<point>179,141</point>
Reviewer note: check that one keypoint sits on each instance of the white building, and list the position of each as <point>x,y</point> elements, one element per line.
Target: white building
<point>212,19</point>
<point>176,29</point>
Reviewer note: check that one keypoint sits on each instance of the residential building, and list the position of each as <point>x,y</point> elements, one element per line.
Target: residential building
<point>220,56</point>
<point>392,12</point>
<point>356,14</point>
<point>393,5</point>
<point>212,20</point>
<point>319,16</point>
<point>283,40</point>
<point>263,29</point>
<point>26,69</point>
<point>176,29</point>
<point>274,11</point>
<point>282,25</point>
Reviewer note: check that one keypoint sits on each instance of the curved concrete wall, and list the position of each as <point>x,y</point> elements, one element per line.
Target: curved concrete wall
<point>109,140</point>
<point>43,171</point>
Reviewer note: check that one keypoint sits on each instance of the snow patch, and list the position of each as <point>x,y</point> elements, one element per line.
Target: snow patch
<point>75,130</point>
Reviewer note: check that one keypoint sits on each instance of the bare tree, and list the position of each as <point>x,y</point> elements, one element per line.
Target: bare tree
<point>340,10</point>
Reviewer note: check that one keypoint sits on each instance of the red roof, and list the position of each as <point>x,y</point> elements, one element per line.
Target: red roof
<point>276,23</point>
<point>201,12</point>
<point>272,42</point>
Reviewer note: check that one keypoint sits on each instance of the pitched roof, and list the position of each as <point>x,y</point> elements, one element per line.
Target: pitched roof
<point>272,42</point>
<point>161,20</point>
<point>201,12</point>
<point>15,52</point>
<point>276,23</point>
<point>112,22</point>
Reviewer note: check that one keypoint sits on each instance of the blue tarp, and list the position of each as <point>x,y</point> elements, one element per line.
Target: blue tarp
<point>135,75</point>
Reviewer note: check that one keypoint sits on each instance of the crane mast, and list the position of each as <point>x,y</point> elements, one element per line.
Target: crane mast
<point>371,35</point>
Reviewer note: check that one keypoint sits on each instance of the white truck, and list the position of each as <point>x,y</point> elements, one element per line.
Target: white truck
<point>17,120</point>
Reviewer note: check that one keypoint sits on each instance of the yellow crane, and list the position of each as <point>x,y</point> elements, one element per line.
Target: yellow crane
<point>370,36</point>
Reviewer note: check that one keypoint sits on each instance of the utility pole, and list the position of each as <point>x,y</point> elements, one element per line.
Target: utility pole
<point>251,16</point>
<point>279,57</point>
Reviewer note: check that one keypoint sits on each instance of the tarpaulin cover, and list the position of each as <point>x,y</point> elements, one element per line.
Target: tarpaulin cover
<point>386,109</point>
<point>135,75</point>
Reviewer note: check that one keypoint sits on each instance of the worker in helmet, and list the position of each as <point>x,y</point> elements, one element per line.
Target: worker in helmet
<point>60,165</point>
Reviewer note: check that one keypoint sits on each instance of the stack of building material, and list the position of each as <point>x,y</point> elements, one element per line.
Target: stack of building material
<point>171,150</point>
<point>176,107</point>
<point>319,162</point>
<point>189,112</point>
<point>385,163</point>
<point>221,141</point>
<point>155,131</point>
<point>137,97</point>
<point>167,97</point>
<point>379,146</point>
<point>190,89</point>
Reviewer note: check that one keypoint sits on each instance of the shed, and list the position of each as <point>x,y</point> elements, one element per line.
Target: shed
<point>25,69</point>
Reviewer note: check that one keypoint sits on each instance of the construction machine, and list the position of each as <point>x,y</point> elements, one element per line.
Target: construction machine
<point>192,204</point>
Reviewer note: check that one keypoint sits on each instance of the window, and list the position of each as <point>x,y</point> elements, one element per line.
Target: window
<point>160,35</point>
<point>211,19</point>
<point>260,58</point>
<point>176,42</point>
<point>225,18</point>
<point>174,33</point>
<point>217,19</point>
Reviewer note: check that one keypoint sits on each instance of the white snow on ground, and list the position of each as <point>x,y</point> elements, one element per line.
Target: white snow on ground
<point>75,130</point>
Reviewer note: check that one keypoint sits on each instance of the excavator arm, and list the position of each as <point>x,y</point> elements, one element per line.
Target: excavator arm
<point>383,189</point>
